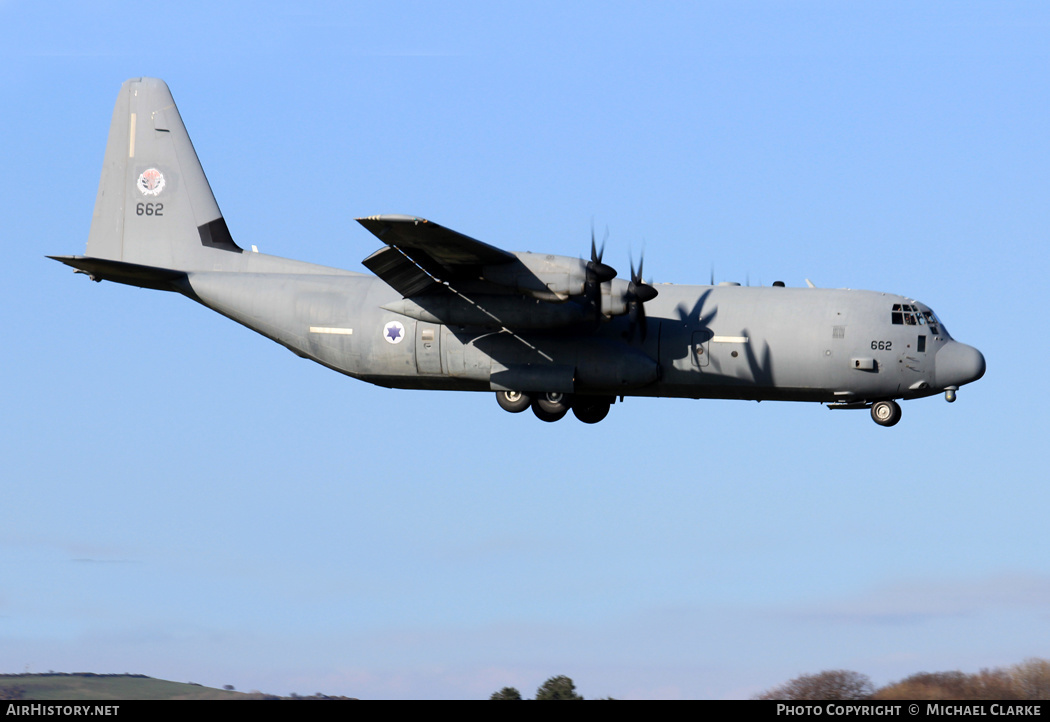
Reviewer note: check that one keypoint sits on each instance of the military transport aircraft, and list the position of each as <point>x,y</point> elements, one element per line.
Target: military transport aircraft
<point>546,332</point>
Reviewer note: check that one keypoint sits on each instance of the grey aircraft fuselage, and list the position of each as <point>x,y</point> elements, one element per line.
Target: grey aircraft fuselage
<point>552,333</point>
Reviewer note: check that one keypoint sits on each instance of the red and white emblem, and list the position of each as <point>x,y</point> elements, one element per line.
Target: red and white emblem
<point>151,182</point>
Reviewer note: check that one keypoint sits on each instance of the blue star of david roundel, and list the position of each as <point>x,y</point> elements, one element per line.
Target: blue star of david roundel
<point>394,332</point>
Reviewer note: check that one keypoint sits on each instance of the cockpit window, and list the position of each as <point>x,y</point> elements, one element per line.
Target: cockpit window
<point>907,314</point>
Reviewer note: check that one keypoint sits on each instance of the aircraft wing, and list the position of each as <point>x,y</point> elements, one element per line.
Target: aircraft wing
<point>420,252</point>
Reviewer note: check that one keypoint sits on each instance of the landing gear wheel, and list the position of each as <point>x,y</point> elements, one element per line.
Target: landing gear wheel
<point>551,406</point>
<point>513,401</point>
<point>590,411</point>
<point>886,413</point>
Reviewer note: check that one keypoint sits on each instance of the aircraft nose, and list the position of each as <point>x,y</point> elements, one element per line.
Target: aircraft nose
<point>958,364</point>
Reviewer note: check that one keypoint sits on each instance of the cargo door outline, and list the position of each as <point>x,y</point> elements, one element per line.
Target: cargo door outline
<point>700,348</point>
<point>428,348</point>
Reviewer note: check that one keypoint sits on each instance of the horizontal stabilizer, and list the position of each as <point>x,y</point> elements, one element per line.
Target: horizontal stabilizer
<point>131,274</point>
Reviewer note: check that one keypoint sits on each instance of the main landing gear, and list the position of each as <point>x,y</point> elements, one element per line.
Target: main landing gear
<point>886,413</point>
<point>552,406</point>
<point>513,401</point>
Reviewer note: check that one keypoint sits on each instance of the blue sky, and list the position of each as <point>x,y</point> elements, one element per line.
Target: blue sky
<point>183,498</point>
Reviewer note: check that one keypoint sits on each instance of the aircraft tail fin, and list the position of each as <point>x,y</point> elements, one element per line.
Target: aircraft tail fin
<point>154,206</point>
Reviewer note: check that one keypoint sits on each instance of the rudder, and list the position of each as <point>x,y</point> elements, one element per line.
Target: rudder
<point>154,205</point>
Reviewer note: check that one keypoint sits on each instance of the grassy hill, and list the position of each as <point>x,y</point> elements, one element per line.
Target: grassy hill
<point>87,686</point>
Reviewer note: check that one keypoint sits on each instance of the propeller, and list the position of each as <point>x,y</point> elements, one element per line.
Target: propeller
<point>638,293</point>
<point>596,269</point>
<point>597,274</point>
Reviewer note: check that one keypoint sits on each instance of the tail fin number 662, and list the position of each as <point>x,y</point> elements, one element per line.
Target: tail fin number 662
<point>149,209</point>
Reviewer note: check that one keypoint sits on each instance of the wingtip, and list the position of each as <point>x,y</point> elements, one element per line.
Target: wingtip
<point>392,218</point>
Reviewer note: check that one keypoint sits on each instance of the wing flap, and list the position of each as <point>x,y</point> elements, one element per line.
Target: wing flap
<point>399,272</point>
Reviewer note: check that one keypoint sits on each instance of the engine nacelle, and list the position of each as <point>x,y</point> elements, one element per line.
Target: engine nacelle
<point>615,298</point>
<point>544,277</point>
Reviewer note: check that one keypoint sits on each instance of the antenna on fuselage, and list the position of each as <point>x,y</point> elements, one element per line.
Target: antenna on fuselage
<point>810,283</point>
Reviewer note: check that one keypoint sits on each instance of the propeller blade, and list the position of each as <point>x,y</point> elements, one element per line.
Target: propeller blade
<point>601,271</point>
<point>597,253</point>
<point>636,320</point>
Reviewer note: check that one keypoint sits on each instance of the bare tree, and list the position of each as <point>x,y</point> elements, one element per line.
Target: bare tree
<point>986,684</point>
<point>837,684</point>
<point>1031,678</point>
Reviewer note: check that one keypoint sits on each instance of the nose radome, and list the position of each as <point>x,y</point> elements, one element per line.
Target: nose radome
<point>958,364</point>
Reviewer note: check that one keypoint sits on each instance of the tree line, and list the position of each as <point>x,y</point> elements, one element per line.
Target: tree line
<point>1029,680</point>
<point>559,687</point>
